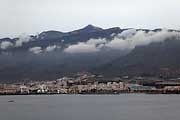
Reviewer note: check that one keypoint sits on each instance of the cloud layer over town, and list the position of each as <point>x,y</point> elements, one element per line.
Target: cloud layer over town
<point>126,40</point>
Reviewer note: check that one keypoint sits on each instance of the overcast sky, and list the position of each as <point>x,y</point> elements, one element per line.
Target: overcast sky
<point>33,16</point>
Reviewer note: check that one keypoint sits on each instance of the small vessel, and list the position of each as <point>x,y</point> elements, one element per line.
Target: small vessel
<point>11,101</point>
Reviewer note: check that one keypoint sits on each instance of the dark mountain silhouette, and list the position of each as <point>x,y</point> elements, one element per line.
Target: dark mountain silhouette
<point>155,59</point>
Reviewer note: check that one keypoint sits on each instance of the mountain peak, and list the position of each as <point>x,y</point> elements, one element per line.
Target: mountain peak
<point>92,27</point>
<point>88,28</point>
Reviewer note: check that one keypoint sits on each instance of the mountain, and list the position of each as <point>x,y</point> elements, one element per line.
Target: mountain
<point>111,52</point>
<point>88,29</point>
<point>156,59</point>
<point>51,35</point>
<point>19,64</point>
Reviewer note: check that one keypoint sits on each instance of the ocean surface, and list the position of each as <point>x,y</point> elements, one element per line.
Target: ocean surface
<point>91,107</point>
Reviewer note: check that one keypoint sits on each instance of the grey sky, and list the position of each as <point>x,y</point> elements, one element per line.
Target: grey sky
<point>32,16</point>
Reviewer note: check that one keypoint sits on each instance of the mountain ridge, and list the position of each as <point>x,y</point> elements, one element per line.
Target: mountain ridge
<point>45,56</point>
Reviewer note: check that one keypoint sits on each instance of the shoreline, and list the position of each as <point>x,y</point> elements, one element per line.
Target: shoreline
<point>49,94</point>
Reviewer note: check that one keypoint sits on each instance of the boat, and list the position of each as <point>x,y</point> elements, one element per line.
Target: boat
<point>11,101</point>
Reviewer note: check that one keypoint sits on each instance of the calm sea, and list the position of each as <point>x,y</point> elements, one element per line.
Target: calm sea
<point>91,107</point>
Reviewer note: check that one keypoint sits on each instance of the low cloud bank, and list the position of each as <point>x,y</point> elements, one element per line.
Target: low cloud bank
<point>17,43</point>
<point>22,39</point>
<point>5,45</point>
<point>39,49</point>
<point>51,48</point>
<point>141,38</point>
<point>36,50</point>
<point>81,48</point>
<point>127,40</point>
<point>90,46</point>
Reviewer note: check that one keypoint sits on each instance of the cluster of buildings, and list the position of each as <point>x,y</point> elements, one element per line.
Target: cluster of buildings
<point>86,83</point>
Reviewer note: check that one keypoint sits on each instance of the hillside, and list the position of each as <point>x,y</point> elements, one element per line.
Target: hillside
<point>111,52</point>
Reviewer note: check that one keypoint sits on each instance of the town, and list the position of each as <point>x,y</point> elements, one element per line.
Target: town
<point>87,83</point>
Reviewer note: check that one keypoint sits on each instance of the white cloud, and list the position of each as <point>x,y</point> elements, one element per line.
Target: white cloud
<point>36,50</point>
<point>51,48</point>
<point>141,38</point>
<point>119,44</point>
<point>113,34</point>
<point>97,41</point>
<point>127,33</point>
<point>92,45</point>
<point>81,48</point>
<point>22,39</point>
<point>126,40</point>
<point>5,44</point>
